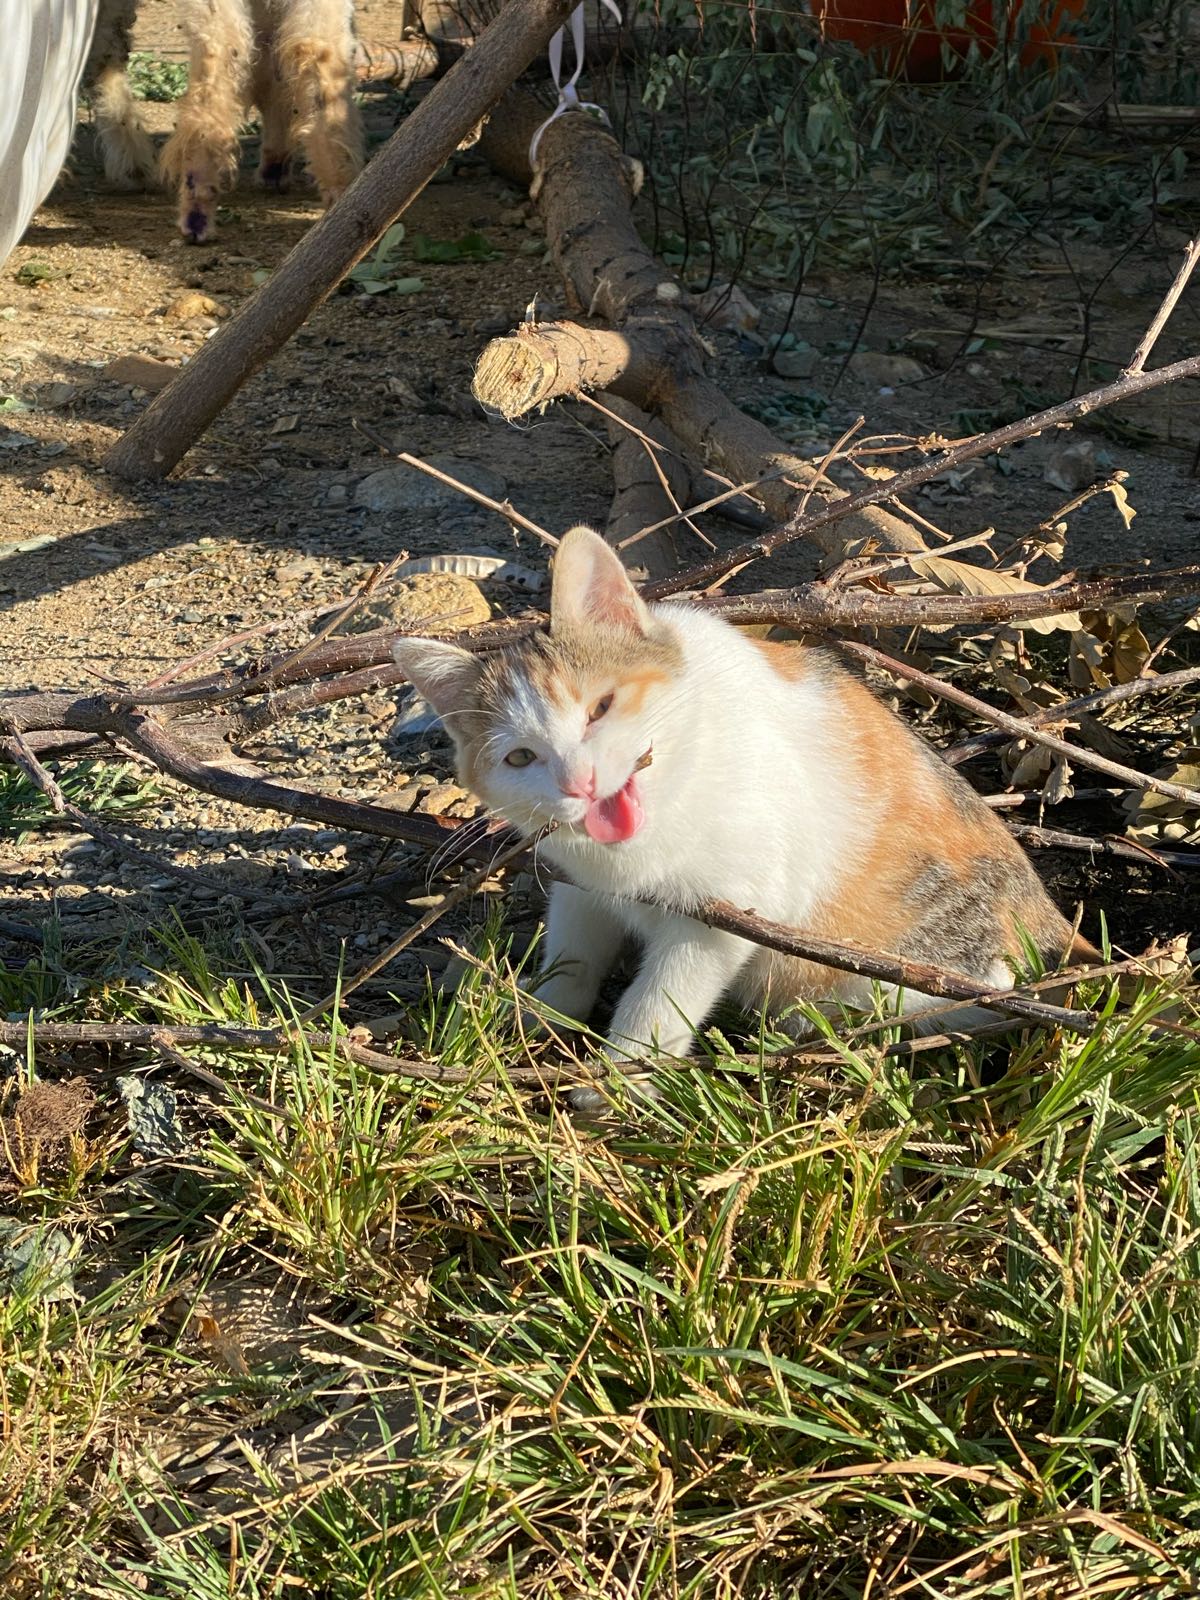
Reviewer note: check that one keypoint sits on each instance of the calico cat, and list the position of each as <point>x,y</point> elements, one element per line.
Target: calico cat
<point>776,781</point>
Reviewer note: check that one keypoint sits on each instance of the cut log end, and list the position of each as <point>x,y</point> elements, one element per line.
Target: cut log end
<point>512,377</point>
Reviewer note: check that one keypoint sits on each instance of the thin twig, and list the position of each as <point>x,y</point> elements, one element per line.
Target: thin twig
<point>1126,849</point>
<point>466,890</point>
<point>1124,388</point>
<point>1017,727</point>
<point>653,449</point>
<point>811,606</point>
<point>1191,255</point>
<point>1068,710</point>
<point>503,508</point>
<point>277,1041</point>
<point>705,505</point>
<point>17,749</point>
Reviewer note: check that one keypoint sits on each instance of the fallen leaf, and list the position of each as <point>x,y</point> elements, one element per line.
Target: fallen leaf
<point>35,1261</point>
<point>960,577</point>
<point>1130,653</point>
<point>1121,500</point>
<point>286,424</point>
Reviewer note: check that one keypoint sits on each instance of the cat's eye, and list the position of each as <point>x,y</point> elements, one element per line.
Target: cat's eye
<point>598,710</point>
<point>519,758</point>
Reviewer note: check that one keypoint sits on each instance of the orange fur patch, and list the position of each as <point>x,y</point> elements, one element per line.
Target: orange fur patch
<point>931,843</point>
<point>788,660</point>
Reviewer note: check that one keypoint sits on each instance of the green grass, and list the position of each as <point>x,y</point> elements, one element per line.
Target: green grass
<point>103,788</point>
<point>924,1325</point>
<point>153,79</point>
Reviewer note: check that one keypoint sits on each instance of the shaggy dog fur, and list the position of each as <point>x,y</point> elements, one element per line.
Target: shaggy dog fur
<point>124,143</point>
<point>292,59</point>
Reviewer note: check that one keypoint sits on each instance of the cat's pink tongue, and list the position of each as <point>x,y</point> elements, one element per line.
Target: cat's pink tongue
<point>619,817</point>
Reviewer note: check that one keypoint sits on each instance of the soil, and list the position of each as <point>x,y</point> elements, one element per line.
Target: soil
<point>101,581</point>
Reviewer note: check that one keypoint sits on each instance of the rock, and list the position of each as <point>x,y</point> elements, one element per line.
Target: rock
<point>140,372</point>
<point>883,371</point>
<point>440,600</point>
<point>337,494</point>
<point>400,389</point>
<point>297,571</point>
<point>439,800</point>
<point>493,321</point>
<point>406,489</point>
<point>51,396</point>
<point>193,304</point>
<point>1071,467</point>
<point>798,363</point>
<point>724,306</point>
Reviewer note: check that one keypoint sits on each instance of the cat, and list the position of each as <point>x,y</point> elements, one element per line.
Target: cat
<point>681,759</point>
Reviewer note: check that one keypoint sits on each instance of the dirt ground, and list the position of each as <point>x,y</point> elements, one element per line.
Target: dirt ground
<point>103,581</point>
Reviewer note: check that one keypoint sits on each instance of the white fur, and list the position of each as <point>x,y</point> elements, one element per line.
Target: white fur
<point>714,828</point>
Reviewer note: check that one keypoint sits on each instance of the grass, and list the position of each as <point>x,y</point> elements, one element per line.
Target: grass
<point>883,1329</point>
<point>104,788</point>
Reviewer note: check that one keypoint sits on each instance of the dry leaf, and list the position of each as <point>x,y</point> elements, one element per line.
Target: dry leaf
<point>1161,816</point>
<point>1130,653</point>
<point>1058,786</point>
<point>1025,764</point>
<point>286,424</point>
<point>1125,511</point>
<point>959,577</point>
<point>1085,662</point>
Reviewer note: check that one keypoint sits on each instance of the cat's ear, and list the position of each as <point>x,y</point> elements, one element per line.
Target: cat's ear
<point>591,586</point>
<point>445,675</point>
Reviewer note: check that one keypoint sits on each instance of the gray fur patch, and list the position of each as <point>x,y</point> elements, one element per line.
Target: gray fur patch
<point>960,921</point>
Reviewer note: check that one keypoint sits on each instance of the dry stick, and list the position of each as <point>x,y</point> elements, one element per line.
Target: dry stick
<point>425,140</point>
<point>1124,388</point>
<point>885,967</point>
<point>1017,727</point>
<point>706,505</point>
<point>810,606</point>
<point>1191,255</point>
<point>463,891</point>
<point>1117,694</point>
<point>279,1041</point>
<point>503,508</point>
<point>1108,845</point>
<point>264,794</point>
<point>653,448</point>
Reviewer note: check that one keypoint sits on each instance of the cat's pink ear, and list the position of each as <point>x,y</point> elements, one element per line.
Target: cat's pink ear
<point>445,675</point>
<point>592,587</point>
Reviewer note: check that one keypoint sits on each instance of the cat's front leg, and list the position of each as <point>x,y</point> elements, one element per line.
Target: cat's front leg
<point>686,969</point>
<point>582,940</point>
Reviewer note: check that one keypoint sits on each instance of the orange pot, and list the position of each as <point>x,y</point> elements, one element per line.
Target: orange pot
<point>905,37</point>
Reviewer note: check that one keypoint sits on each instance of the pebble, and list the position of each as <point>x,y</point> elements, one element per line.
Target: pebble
<point>798,363</point>
<point>1070,467</point>
<point>883,371</point>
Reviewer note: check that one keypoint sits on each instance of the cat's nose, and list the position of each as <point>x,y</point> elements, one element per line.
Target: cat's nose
<point>580,785</point>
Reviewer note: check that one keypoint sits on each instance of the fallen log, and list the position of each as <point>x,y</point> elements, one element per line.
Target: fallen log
<point>647,350</point>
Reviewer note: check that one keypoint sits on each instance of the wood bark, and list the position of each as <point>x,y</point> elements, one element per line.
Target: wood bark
<point>174,420</point>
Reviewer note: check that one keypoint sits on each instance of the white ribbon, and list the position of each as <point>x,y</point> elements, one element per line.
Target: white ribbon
<point>568,95</point>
